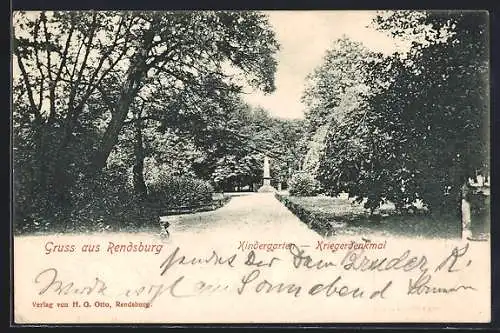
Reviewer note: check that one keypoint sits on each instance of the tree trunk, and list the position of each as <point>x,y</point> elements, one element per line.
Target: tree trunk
<point>41,163</point>
<point>138,169</point>
<point>136,73</point>
<point>110,137</point>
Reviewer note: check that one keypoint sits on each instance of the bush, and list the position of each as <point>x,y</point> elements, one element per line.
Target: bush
<point>112,205</point>
<point>302,185</point>
<point>105,202</point>
<point>174,192</point>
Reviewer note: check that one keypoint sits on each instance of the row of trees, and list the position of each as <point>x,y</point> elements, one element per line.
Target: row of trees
<point>258,134</point>
<point>97,94</point>
<point>412,125</point>
<point>231,156</point>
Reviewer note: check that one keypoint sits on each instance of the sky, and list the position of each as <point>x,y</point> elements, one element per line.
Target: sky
<point>304,37</point>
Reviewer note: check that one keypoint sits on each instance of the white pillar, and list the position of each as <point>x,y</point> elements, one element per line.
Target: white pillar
<point>466,213</point>
<point>266,186</point>
<point>466,219</point>
<point>267,171</point>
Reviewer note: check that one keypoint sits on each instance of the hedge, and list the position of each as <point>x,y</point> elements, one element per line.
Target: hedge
<point>175,191</point>
<point>320,222</point>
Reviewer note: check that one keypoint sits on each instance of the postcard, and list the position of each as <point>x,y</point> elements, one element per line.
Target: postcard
<point>176,167</point>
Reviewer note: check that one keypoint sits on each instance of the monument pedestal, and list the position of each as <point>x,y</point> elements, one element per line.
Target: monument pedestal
<point>266,187</point>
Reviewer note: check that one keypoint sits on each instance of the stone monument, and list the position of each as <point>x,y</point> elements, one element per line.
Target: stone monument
<point>266,187</point>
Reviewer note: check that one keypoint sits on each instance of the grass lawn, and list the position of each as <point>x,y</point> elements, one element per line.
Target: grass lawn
<point>355,219</point>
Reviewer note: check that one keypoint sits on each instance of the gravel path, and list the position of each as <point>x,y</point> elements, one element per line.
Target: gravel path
<point>260,215</point>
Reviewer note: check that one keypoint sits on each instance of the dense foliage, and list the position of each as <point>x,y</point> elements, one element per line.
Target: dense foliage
<point>303,184</point>
<point>233,158</point>
<point>179,191</point>
<point>100,95</point>
<point>420,129</point>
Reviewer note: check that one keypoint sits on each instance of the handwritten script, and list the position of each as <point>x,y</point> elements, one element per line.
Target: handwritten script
<point>328,275</point>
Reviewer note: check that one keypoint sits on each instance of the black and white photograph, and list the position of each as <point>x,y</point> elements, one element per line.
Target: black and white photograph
<point>248,166</point>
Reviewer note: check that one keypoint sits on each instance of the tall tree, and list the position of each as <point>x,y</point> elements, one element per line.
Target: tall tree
<point>340,76</point>
<point>69,61</point>
<point>337,87</point>
<point>60,59</point>
<point>185,46</point>
<point>423,132</point>
<point>93,84</point>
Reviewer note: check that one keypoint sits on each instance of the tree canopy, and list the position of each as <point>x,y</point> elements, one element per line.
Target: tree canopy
<point>420,129</point>
<point>100,90</point>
